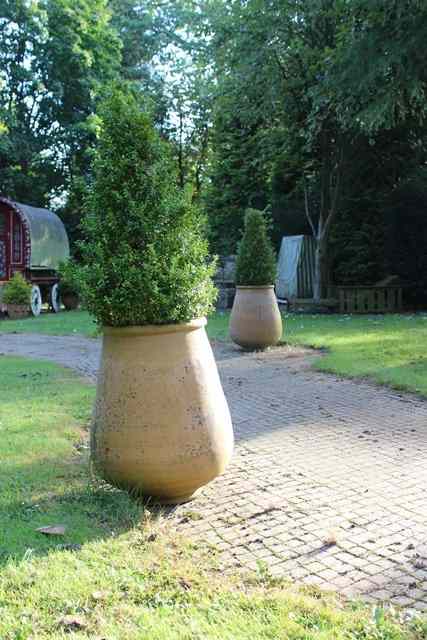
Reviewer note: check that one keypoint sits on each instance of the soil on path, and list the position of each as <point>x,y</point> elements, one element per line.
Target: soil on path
<point>328,480</point>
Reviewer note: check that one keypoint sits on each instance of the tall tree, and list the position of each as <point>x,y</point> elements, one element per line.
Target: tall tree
<point>277,54</point>
<point>164,57</point>
<point>238,174</point>
<point>189,88</point>
<point>55,56</point>
<point>381,74</point>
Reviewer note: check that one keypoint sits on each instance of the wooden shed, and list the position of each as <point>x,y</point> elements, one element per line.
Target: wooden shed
<point>295,268</point>
<point>33,241</point>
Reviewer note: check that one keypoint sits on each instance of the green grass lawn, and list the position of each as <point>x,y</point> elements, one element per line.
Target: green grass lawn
<point>44,413</point>
<point>57,324</point>
<point>389,349</point>
<point>118,573</point>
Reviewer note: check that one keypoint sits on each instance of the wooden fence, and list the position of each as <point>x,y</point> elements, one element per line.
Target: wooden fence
<point>370,299</point>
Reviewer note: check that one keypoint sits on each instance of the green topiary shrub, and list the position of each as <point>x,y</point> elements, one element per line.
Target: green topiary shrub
<point>256,260</point>
<point>69,278</point>
<point>146,259</point>
<point>17,291</point>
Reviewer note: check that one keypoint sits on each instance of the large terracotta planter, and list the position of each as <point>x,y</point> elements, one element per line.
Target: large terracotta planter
<point>255,321</point>
<point>161,423</point>
<point>18,311</point>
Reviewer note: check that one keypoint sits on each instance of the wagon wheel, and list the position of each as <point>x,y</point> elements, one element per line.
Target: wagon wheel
<point>36,300</point>
<point>55,300</point>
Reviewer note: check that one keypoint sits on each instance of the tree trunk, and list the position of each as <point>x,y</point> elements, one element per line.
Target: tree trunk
<point>317,282</point>
<point>319,270</point>
<point>181,152</point>
<point>329,199</point>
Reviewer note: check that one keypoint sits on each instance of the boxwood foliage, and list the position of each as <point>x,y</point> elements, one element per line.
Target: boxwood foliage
<point>256,260</point>
<point>69,281</point>
<point>17,291</point>
<point>145,255</point>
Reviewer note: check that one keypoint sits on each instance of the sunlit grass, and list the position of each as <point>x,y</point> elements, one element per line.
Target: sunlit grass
<point>390,349</point>
<point>59,324</point>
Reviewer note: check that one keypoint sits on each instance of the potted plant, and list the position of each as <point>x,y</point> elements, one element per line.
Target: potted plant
<point>161,424</point>
<point>69,285</point>
<point>255,321</point>
<point>17,297</point>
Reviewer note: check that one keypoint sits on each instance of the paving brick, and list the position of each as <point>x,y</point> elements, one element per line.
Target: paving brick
<point>403,601</point>
<point>317,481</point>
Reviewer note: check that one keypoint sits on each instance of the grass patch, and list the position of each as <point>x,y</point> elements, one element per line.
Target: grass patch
<point>135,587</point>
<point>390,349</point>
<point>118,573</point>
<point>44,412</point>
<point>82,324</point>
<point>56,324</point>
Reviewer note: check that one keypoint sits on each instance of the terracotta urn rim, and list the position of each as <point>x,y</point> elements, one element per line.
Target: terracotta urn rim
<point>254,286</point>
<point>154,329</point>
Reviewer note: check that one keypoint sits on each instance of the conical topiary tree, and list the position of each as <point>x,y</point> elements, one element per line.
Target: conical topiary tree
<point>145,257</point>
<point>256,260</point>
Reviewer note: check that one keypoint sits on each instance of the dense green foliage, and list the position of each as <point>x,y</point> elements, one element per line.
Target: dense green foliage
<point>256,261</point>
<point>54,57</point>
<point>69,278</point>
<point>405,246</point>
<point>17,291</point>
<point>381,75</point>
<point>330,94</point>
<point>235,182</point>
<point>145,258</point>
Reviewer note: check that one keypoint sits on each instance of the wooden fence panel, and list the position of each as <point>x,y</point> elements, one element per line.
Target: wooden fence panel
<point>365,299</point>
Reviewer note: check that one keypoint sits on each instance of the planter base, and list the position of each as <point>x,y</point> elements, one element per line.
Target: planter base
<point>174,500</point>
<point>18,311</point>
<point>70,301</point>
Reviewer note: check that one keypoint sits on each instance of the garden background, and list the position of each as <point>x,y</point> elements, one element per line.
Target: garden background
<point>315,111</point>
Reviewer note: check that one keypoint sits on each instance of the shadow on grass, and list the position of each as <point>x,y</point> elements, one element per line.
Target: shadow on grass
<point>88,509</point>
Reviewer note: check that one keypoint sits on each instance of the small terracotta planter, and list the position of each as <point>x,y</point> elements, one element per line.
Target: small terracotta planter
<point>70,301</point>
<point>255,321</point>
<point>161,423</point>
<point>18,311</point>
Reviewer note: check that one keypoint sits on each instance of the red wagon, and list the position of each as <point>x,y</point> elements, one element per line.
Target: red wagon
<point>33,242</point>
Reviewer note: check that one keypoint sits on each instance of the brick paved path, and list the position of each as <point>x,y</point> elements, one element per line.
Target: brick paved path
<point>328,481</point>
